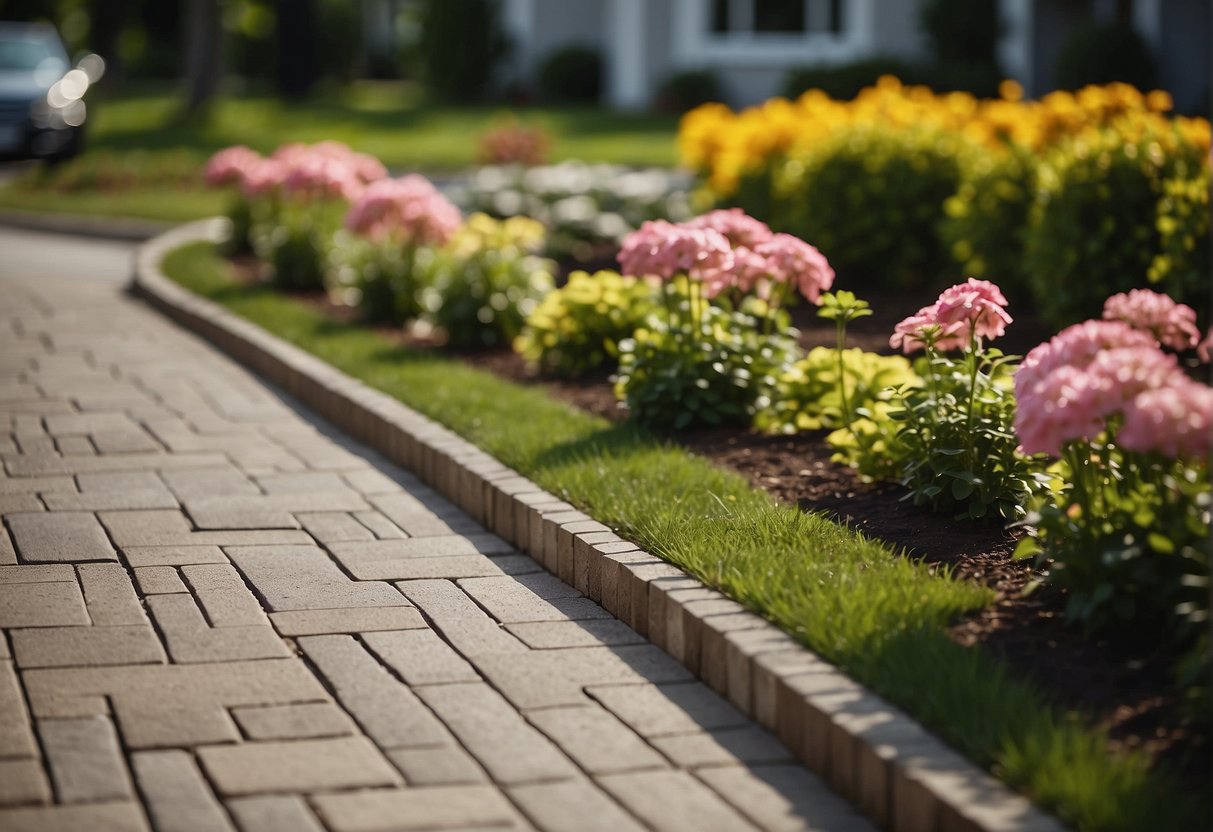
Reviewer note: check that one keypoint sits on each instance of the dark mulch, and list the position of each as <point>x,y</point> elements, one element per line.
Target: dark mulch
<point>1124,682</point>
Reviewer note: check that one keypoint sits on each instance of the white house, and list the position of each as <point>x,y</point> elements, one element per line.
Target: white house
<point>751,44</point>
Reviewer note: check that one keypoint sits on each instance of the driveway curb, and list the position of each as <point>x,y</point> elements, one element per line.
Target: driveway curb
<point>80,225</point>
<point>876,756</point>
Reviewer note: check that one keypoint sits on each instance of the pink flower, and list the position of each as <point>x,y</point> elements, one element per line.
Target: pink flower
<point>1173,324</point>
<point>409,207</point>
<point>977,304</point>
<point>228,166</point>
<point>262,178</point>
<point>1068,387</point>
<point>1076,346</point>
<point>1064,407</point>
<point>1205,348</point>
<point>914,332</point>
<point>663,249</point>
<point>736,225</point>
<point>1176,420</point>
<point>792,261</point>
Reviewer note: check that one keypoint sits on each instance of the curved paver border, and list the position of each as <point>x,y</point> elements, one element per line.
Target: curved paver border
<point>892,768</point>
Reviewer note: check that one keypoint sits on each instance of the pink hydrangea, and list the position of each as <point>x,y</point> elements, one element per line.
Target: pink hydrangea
<point>1204,350</point>
<point>1067,388</point>
<point>1076,346</point>
<point>1176,420</point>
<point>978,305</point>
<point>914,332</point>
<point>736,225</point>
<point>665,250</point>
<point>973,308</point>
<point>1173,324</point>
<point>409,207</point>
<point>1065,406</point>
<point>327,170</point>
<point>262,178</point>
<point>228,166</point>
<point>794,262</point>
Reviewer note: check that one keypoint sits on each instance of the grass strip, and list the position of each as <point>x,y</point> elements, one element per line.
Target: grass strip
<point>176,205</point>
<point>879,616</point>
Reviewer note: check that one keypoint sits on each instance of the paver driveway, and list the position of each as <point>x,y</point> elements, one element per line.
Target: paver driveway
<point>217,614</point>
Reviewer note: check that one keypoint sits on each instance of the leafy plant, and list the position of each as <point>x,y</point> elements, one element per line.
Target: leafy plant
<point>577,329</point>
<point>481,286</point>
<point>571,73</point>
<point>376,277</point>
<point>295,240</point>
<point>722,372</point>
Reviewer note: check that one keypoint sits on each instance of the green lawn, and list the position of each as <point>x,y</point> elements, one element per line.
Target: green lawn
<point>876,614</point>
<point>142,136</point>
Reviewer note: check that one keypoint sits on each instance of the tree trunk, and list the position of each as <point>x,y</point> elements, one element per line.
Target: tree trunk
<point>203,53</point>
<point>298,64</point>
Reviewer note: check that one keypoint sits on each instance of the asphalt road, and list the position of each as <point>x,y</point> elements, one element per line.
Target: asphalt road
<point>38,254</point>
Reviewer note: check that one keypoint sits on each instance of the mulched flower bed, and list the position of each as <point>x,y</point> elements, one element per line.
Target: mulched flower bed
<point>1124,682</point>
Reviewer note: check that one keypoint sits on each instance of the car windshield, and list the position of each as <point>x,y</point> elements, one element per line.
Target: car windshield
<point>28,55</point>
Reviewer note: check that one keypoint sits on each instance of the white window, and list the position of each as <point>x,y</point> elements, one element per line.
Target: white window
<point>772,33</point>
<point>750,17</point>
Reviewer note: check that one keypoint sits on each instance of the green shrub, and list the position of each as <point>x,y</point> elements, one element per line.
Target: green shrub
<point>808,398</point>
<point>571,73</point>
<point>481,287</point>
<point>986,219</point>
<point>1182,263</point>
<point>1099,53</point>
<point>844,81</point>
<point>577,329</point>
<point>670,379</point>
<point>295,238</point>
<point>963,31</point>
<point>461,44</point>
<point>871,200</point>
<point>377,278</point>
<point>686,90</point>
<point>1095,227</point>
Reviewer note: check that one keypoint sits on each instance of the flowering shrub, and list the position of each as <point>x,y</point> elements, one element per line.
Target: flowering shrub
<point>577,329</point>
<point>810,397</point>
<point>768,158</point>
<point>873,198</point>
<point>292,202</point>
<point>715,351</point>
<point>1096,215</point>
<point>373,263</point>
<point>1126,529</point>
<point>512,143</point>
<point>227,169</point>
<point>481,286</point>
<point>584,207</point>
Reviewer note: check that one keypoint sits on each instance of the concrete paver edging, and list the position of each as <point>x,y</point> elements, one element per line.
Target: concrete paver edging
<point>887,764</point>
<point>129,229</point>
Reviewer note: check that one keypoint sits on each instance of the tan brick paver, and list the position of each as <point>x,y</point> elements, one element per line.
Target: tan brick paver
<point>223,616</point>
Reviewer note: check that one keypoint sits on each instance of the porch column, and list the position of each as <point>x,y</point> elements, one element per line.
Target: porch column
<point>627,72</point>
<point>1015,45</point>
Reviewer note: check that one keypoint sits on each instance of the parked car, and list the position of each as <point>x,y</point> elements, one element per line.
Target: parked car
<point>42,109</point>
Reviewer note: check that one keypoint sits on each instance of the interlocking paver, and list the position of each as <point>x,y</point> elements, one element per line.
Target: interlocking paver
<point>299,766</point>
<point>597,741</point>
<point>22,781</point>
<point>425,808</point>
<point>673,800</point>
<point>60,536</point>
<point>190,639</point>
<point>273,813</point>
<point>305,578</point>
<point>178,797</point>
<point>86,646</point>
<point>91,817</point>
<point>572,804</point>
<point>511,750</point>
<point>109,595</point>
<point>182,533</point>
<point>85,759</point>
<point>387,710</point>
<point>293,722</point>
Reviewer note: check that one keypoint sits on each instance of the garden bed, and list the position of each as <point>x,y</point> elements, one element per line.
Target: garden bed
<point>1123,683</point>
